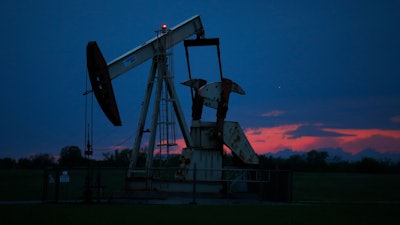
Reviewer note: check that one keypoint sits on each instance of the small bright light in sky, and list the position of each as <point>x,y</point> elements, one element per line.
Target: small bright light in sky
<point>164,26</point>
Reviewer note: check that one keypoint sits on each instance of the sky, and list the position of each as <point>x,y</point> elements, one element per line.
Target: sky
<point>317,74</point>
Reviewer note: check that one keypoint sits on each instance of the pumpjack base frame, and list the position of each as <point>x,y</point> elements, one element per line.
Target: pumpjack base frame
<point>273,185</point>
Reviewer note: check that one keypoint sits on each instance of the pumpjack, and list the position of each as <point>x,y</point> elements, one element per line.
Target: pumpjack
<point>201,161</point>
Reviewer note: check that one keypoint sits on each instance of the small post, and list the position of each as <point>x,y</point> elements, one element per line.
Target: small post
<point>194,186</point>
<point>99,185</point>
<point>88,185</point>
<point>45,184</point>
<point>57,194</point>
<point>88,181</point>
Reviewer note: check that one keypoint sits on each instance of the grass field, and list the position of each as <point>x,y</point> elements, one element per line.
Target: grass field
<point>200,214</point>
<point>319,198</point>
<point>346,187</point>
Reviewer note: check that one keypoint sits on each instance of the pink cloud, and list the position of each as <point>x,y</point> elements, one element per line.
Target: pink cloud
<point>395,119</point>
<point>355,140</point>
<point>273,139</point>
<point>381,140</point>
<point>273,113</point>
<point>378,142</point>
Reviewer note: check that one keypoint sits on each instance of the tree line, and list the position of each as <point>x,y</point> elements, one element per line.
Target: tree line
<point>315,161</point>
<point>319,161</point>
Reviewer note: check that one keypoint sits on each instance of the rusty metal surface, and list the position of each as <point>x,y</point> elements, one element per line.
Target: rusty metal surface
<point>236,140</point>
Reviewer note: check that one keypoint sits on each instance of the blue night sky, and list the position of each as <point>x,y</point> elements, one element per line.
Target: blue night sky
<point>317,74</point>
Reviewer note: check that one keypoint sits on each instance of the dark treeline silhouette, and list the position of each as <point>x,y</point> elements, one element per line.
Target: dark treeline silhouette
<point>312,161</point>
<point>70,156</point>
<point>37,161</point>
<point>317,161</point>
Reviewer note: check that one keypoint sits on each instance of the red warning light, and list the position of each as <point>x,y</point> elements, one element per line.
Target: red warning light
<point>164,26</point>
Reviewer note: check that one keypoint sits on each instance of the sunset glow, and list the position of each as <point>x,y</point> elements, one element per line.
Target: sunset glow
<point>274,139</point>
